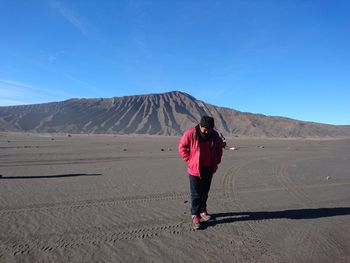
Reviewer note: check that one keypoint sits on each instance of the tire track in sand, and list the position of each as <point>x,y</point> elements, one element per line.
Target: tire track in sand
<point>102,202</point>
<point>249,241</point>
<point>281,174</point>
<point>323,242</point>
<point>35,162</point>
<point>94,238</point>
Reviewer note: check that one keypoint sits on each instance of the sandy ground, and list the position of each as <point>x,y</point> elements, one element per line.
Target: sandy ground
<point>125,199</point>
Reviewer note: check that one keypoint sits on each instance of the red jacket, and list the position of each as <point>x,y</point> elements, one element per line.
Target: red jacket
<point>190,151</point>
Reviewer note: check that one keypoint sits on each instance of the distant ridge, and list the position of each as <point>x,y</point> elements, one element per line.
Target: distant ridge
<point>169,113</point>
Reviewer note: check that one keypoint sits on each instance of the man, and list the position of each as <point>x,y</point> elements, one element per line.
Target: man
<point>201,148</point>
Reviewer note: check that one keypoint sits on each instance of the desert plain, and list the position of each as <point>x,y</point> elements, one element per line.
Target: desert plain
<point>115,198</point>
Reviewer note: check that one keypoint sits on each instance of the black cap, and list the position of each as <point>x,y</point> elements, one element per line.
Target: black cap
<point>207,122</point>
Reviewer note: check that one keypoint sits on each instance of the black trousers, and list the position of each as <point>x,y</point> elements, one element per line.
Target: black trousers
<point>199,187</point>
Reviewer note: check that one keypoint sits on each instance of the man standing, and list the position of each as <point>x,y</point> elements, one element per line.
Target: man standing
<point>201,148</point>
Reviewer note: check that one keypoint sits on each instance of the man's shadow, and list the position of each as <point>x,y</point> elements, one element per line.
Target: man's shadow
<point>295,214</point>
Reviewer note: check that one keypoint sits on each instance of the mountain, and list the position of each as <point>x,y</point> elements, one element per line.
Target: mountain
<point>169,113</point>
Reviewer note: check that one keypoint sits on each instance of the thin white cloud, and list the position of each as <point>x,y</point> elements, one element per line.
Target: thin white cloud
<point>51,58</point>
<point>5,102</point>
<point>68,15</point>
<point>14,93</point>
<point>19,86</point>
<point>95,91</point>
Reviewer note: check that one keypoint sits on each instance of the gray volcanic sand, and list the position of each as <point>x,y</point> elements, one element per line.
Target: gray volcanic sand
<point>90,198</point>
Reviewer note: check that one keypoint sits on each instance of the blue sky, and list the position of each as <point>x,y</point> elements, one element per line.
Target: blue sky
<point>286,58</point>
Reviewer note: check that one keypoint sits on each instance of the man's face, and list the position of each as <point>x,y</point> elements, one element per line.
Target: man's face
<point>205,131</point>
